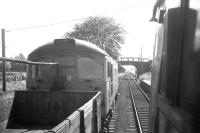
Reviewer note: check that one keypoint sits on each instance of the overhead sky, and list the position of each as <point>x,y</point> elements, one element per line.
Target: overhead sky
<point>32,23</point>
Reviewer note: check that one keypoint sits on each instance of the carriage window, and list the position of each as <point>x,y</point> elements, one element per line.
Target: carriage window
<point>32,71</point>
<point>41,71</point>
<point>110,74</point>
<point>66,61</point>
<point>89,68</point>
<point>110,67</point>
<point>29,71</point>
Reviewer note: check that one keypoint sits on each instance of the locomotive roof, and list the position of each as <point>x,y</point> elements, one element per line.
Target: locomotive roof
<point>61,46</point>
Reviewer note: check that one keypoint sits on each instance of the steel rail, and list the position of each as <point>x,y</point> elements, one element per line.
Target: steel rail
<point>136,112</point>
<point>147,98</point>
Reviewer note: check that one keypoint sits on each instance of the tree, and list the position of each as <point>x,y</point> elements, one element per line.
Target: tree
<point>101,31</point>
<point>18,66</point>
<point>20,57</point>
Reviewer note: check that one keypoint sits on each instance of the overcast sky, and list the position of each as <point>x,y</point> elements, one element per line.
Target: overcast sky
<point>61,15</point>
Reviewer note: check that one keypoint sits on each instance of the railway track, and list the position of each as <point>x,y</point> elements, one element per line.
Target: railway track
<point>140,103</point>
<point>131,114</point>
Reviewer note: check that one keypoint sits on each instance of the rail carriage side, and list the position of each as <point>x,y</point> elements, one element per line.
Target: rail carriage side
<point>111,82</point>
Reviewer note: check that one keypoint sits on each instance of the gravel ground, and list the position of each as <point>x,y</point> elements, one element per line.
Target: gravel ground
<point>123,116</point>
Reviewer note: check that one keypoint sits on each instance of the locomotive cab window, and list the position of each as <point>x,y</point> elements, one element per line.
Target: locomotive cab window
<point>68,61</point>
<point>33,71</point>
<point>89,68</point>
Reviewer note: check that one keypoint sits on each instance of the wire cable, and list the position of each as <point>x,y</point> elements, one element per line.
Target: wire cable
<point>57,23</point>
<point>45,25</point>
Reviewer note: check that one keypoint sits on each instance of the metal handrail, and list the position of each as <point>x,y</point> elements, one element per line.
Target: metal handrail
<point>4,59</point>
<point>147,98</point>
<point>26,62</point>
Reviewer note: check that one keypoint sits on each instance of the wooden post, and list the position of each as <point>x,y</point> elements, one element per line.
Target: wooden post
<point>141,59</point>
<point>3,62</point>
<point>57,69</point>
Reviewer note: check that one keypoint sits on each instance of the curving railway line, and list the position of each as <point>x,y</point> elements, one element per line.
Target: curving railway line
<point>131,114</point>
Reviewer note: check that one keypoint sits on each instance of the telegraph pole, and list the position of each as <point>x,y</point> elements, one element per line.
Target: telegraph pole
<point>3,62</point>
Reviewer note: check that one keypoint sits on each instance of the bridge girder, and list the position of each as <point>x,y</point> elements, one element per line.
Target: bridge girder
<point>142,64</point>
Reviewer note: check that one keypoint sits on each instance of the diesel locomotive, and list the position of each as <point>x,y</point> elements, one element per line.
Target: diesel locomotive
<point>76,94</point>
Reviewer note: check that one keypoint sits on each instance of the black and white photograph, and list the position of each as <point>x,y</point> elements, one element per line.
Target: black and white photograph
<point>100,66</point>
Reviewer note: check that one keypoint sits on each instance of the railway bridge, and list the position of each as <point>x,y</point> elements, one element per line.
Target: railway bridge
<point>142,64</point>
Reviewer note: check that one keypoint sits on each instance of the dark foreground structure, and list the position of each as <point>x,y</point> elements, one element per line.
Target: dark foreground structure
<point>175,96</point>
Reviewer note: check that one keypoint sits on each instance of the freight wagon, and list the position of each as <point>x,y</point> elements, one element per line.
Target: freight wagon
<point>55,112</point>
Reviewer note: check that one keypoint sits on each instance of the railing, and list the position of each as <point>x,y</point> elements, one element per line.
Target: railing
<point>3,59</point>
<point>134,59</point>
